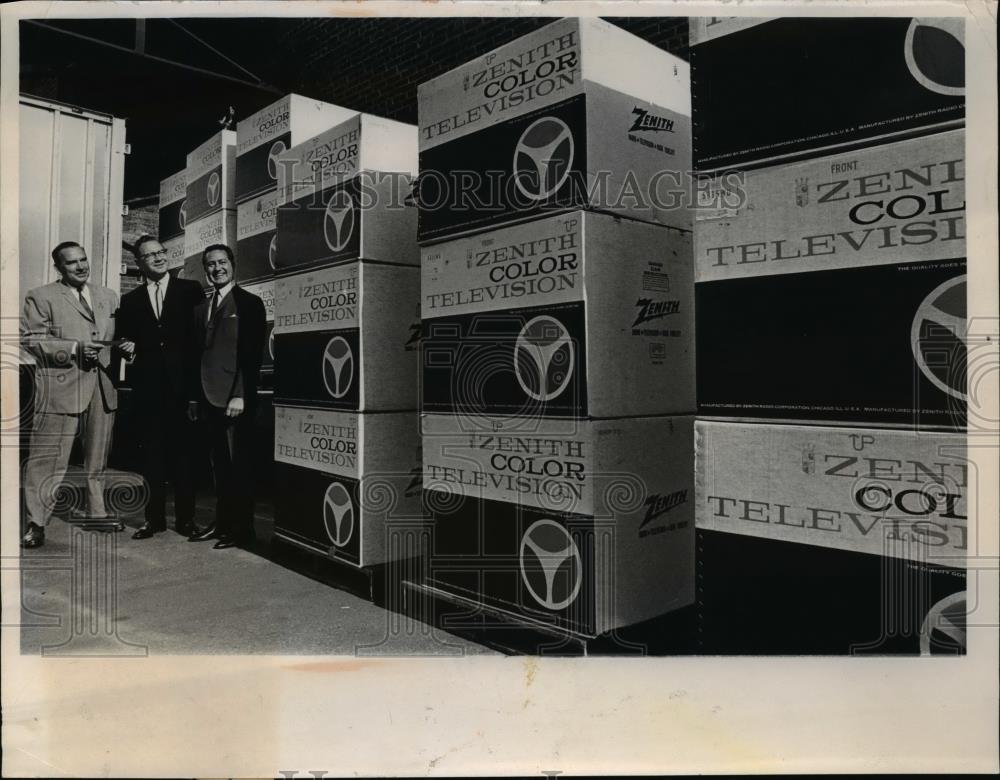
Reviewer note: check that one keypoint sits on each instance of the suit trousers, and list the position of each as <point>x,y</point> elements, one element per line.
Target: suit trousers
<point>230,442</point>
<point>51,443</point>
<point>167,447</point>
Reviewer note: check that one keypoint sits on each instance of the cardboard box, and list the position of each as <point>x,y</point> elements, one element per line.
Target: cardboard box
<point>265,291</point>
<point>256,237</point>
<point>173,191</point>
<point>874,206</point>
<point>828,540</point>
<point>894,493</point>
<point>262,137</point>
<point>557,317</point>
<point>211,173</point>
<point>345,196</point>
<point>761,596</point>
<point>581,525</point>
<point>784,89</point>
<point>702,29</point>
<point>341,479</point>
<point>556,120</point>
<point>218,228</point>
<point>175,251</point>
<point>877,345</point>
<point>346,337</point>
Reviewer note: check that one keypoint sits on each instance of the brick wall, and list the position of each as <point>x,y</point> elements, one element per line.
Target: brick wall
<point>375,65</point>
<point>143,218</point>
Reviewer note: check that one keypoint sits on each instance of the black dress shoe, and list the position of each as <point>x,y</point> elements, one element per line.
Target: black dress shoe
<point>33,537</point>
<point>147,530</point>
<point>202,536</point>
<point>224,544</point>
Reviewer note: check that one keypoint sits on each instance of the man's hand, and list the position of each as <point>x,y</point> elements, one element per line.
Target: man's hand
<point>192,411</point>
<point>127,348</point>
<point>235,407</point>
<point>90,352</point>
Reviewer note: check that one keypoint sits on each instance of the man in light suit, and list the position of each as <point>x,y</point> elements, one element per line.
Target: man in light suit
<point>157,318</point>
<point>68,327</point>
<point>229,332</point>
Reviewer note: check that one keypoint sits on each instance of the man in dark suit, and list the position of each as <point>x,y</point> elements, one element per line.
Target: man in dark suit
<point>229,335</point>
<point>156,320</point>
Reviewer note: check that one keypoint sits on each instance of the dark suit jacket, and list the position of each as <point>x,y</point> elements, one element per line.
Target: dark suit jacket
<point>162,347</point>
<point>230,350</point>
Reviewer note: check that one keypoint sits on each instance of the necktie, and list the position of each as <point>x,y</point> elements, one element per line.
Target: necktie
<point>214,307</point>
<point>158,295</point>
<point>86,306</point>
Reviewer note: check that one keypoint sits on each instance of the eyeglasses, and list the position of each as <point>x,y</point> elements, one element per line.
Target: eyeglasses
<point>148,255</point>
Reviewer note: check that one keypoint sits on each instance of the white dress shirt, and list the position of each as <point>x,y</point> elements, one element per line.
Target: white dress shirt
<point>151,290</point>
<point>222,292</point>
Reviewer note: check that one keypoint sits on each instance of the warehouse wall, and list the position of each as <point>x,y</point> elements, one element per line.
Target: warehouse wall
<point>333,59</point>
<point>372,65</point>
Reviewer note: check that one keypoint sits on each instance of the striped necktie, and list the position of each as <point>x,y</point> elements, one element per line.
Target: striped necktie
<point>86,306</point>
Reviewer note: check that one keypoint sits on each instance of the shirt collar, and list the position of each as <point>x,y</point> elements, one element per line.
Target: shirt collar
<point>224,291</point>
<point>164,281</point>
<point>85,290</point>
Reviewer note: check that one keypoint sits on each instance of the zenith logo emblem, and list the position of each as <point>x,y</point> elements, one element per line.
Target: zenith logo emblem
<point>270,345</point>
<point>646,121</point>
<point>272,252</point>
<point>938,338</point>
<point>214,188</point>
<point>338,514</point>
<point>551,566</point>
<point>543,158</point>
<point>338,220</point>
<point>934,51</point>
<point>652,310</point>
<point>278,148</point>
<point>544,358</point>
<point>182,215</point>
<point>338,367</point>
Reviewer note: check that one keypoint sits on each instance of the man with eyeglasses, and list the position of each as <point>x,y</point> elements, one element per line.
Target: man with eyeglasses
<point>155,322</point>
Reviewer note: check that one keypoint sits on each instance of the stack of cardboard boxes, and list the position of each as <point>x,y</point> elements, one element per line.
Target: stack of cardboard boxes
<point>830,288</point>
<point>346,295</point>
<point>558,365</point>
<point>260,140</point>
<point>209,205</point>
<point>173,194</point>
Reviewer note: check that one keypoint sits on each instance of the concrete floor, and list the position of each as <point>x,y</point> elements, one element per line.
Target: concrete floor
<point>91,593</point>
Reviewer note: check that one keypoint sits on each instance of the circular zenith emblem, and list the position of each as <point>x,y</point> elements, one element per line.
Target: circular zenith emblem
<point>551,565</point>
<point>214,188</point>
<point>544,358</point>
<point>338,367</point>
<point>944,625</point>
<point>277,149</point>
<point>934,50</point>
<point>543,158</point>
<point>937,337</point>
<point>338,220</point>
<point>338,514</point>
<point>272,252</point>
